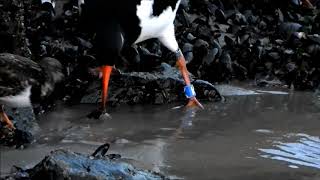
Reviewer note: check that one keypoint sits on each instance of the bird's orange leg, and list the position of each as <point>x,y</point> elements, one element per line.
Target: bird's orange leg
<point>106,72</point>
<point>5,118</point>
<point>181,63</point>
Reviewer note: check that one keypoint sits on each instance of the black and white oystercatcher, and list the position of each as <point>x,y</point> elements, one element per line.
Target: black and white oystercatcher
<point>24,82</point>
<point>132,21</point>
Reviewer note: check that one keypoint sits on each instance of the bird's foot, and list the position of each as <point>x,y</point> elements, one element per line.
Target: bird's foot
<point>6,120</point>
<point>99,114</point>
<point>193,102</point>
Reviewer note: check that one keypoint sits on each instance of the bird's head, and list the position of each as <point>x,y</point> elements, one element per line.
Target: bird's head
<point>53,74</point>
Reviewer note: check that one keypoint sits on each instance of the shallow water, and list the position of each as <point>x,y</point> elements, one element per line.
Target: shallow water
<point>261,135</point>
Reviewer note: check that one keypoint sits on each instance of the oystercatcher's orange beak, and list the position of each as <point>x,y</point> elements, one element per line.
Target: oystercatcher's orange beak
<point>106,72</point>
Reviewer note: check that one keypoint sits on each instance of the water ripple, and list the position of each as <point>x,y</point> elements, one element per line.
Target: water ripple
<point>304,152</point>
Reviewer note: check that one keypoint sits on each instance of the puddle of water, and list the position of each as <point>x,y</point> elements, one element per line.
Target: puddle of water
<point>226,141</point>
<point>273,92</point>
<point>305,151</point>
<point>229,90</point>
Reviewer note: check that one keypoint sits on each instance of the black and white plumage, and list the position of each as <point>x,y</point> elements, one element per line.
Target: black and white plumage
<point>130,22</point>
<point>24,82</point>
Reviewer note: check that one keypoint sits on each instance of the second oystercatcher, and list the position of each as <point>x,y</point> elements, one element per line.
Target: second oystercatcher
<point>24,82</point>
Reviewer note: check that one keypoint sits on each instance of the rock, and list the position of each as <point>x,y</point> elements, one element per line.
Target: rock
<point>314,50</point>
<point>274,55</point>
<point>288,28</point>
<point>230,40</point>
<point>269,83</point>
<point>26,128</point>
<point>162,86</point>
<point>261,38</point>
<point>314,38</point>
<point>201,43</point>
<point>221,17</point>
<point>240,71</point>
<point>239,19</point>
<point>12,29</point>
<point>206,90</point>
<point>187,51</point>
<point>211,56</point>
<point>225,59</point>
<point>191,37</point>
<point>64,164</point>
<point>262,25</point>
<point>185,4</point>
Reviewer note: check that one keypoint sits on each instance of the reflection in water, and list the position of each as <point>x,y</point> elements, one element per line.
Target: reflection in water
<point>186,122</point>
<point>305,151</point>
<point>192,144</point>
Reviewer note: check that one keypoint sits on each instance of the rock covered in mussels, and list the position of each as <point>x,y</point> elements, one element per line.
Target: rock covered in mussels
<point>64,164</point>
<point>267,41</point>
<point>159,87</point>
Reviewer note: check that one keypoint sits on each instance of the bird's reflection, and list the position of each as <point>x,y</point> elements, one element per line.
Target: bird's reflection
<point>186,121</point>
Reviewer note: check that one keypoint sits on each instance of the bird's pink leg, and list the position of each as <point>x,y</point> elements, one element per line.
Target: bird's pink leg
<point>5,118</point>
<point>181,63</point>
<point>106,72</point>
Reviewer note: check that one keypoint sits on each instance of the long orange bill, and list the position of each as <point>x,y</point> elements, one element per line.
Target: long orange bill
<point>106,71</point>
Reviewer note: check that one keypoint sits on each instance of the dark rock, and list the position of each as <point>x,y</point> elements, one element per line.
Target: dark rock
<point>187,51</point>
<point>314,49</point>
<point>159,87</point>
<point>206,90</point>
<point>221,17</point>
<point>63,164</point>
<point>225,59</point>
<point>240,71</point>
<point>200,43</point>
<point>26,128</point>
<point>262,25</point>
<point>12,29</point>
<point>185,4</point>
<point>274,55</point>
<point>260,40</point>
<point>191,37</point>
<point>230,40</point>
<point>239,19</point>
<point>314,38</point>
<point>269,83</point>
<point>296,2</point>
<point>159,99</point>
<point>288,28</point>
<point>212,9</point>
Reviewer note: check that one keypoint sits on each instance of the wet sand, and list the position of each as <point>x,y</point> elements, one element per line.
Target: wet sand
<point>248,137</point>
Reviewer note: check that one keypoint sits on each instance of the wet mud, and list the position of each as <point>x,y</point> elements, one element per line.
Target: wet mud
<point>272,134</point>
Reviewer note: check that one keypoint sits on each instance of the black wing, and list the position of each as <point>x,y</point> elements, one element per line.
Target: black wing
<point>17,72</point>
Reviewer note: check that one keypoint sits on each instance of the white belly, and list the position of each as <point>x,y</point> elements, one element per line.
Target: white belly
<point>151,26</point>
<point>19,100</point>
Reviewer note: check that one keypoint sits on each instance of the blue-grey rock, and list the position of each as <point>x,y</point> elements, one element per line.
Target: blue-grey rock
<point>64,164</point>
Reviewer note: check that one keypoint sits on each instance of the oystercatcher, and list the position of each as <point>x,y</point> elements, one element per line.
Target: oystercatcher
<point>131,22</point>
<point>24,82</point>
